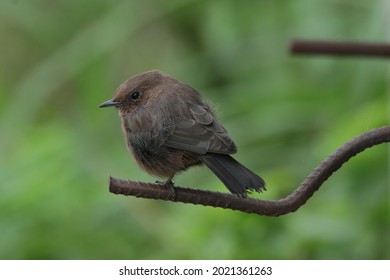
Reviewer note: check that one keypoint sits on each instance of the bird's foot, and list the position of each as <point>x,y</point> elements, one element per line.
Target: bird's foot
<point>169,184</point>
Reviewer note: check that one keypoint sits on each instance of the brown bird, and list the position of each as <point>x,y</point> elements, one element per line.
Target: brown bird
<point>168,128</point>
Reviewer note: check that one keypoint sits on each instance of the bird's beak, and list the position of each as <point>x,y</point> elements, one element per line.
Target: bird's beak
<point>109,103</point>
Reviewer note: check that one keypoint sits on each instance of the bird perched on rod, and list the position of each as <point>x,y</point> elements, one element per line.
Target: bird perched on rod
<point>168,128</point>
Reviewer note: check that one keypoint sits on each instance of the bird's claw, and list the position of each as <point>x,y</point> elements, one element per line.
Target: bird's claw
<point>169,184</point>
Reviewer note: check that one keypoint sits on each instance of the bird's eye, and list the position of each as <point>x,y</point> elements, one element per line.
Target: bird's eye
<point>135,95</point>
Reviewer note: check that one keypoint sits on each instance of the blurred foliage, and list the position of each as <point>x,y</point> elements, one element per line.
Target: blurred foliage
<point>60,59</point>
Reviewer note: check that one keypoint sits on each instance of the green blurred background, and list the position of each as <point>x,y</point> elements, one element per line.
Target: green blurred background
<point>61,59</point>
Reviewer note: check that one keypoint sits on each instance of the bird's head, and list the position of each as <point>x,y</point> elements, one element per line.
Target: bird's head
<point>137,91</point>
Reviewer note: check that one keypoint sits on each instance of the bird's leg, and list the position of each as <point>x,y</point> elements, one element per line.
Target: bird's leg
<point>169,184</point>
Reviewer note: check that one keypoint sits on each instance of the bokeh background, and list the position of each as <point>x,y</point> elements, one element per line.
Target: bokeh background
<point>60,59</point>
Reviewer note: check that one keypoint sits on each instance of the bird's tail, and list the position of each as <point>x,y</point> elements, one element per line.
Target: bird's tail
<point>236,177</point>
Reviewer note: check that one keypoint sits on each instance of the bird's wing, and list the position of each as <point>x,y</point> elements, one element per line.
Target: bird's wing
<point>201,133</point>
